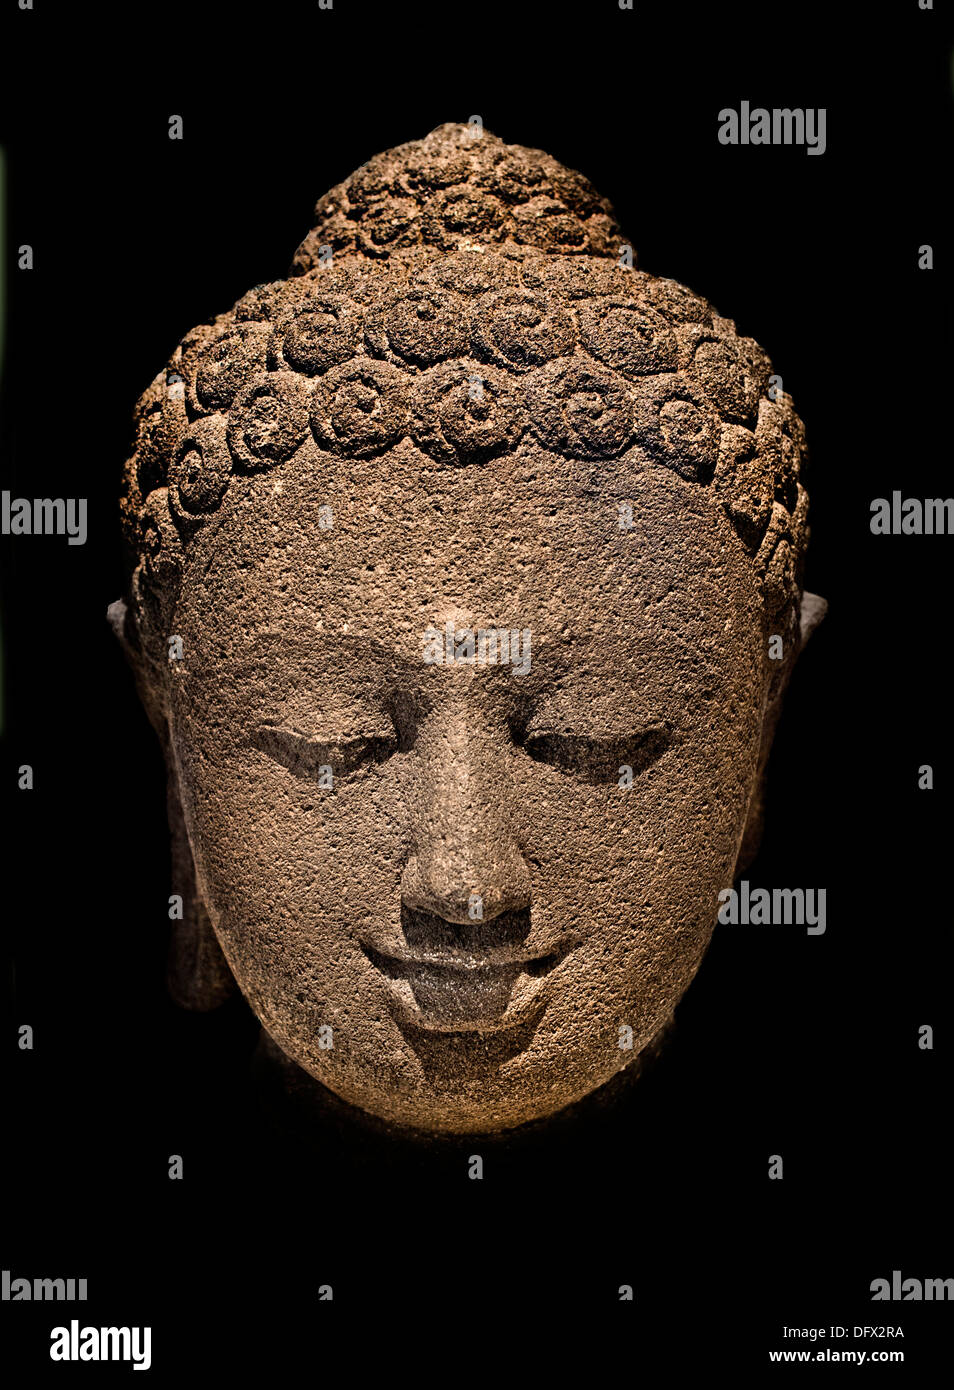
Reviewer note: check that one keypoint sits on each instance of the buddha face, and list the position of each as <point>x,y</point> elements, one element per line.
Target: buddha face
<point>482,552</point>
<point>448,888</point>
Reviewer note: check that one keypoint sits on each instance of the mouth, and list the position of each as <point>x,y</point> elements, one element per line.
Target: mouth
<point>453,978</point>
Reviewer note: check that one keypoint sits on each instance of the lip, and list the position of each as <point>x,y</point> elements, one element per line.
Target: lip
<point>464,958</point>
<point>455,989</point>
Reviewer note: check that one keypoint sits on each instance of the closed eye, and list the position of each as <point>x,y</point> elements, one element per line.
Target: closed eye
<point>305,756</point>
<point>598,759</point>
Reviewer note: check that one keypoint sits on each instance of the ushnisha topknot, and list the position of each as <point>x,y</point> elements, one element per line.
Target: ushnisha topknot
<point>465,298</point>
<point>460,185</point>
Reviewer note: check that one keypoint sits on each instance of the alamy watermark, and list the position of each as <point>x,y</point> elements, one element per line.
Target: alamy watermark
<point>44,516</point>
<point>75,1343</point>
<point>773,907</point>
<point>750,125</point>
<point>901,1290</point>
<point>18,1290</point>
<point>912,516</point>
<point>488,646</point>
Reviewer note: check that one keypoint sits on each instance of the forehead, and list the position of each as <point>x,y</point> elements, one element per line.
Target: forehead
<point>374,551</point>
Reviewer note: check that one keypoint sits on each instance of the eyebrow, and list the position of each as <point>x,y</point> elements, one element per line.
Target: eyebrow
<point>314,644</point>
<point>552,660</point>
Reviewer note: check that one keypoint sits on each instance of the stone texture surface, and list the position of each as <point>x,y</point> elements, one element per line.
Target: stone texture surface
<point>441,416</point>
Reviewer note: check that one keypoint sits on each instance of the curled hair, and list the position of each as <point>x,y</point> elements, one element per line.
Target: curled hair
<point>469,297</point>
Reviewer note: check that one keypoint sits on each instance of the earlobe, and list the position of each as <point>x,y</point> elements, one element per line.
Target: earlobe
<point>197,972</point>
<point>198,975</point>
<point>124,630</point>
<point>813,610</point>
<point>116,617</point>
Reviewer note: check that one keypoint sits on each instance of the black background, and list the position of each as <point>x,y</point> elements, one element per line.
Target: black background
<point>787,1044</point>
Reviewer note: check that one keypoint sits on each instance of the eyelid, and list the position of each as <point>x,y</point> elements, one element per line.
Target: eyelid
<point>302,754</point>
<point>539,727</point>
<point>319,739</point>
<point>597,757</point>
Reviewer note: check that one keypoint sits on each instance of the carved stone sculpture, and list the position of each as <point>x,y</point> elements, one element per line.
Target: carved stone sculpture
<point>465,584</point>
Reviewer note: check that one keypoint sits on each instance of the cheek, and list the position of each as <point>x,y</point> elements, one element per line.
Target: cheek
<point>278,854</point>
<point>635,873</point>
<point>686,810</point>
<point>292,874</point>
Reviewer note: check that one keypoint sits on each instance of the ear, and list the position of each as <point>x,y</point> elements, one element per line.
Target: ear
<point>124,630</point>
<point>813,610</point>
<point>197,972</point>
<point>198,975</point>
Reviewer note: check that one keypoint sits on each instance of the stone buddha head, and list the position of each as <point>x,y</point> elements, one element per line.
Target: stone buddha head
<point>464,586</point>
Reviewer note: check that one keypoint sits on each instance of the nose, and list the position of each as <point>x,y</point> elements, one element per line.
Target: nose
<point>466,865</point>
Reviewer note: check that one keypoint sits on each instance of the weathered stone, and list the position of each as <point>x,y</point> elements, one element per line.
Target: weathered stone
<point>464,890</point>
